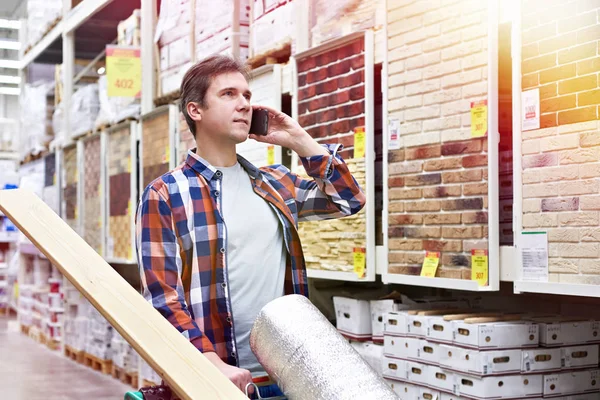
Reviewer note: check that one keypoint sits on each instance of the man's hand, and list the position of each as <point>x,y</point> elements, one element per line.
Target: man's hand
<point>287,132</point>
<point>239,377</point>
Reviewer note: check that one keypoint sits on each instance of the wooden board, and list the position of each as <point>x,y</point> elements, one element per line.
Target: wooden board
<point>182,366</point>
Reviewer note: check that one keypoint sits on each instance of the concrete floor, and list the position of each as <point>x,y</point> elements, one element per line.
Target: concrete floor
<point>31,371</point>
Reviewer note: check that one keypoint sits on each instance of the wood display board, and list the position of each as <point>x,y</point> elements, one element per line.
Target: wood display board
<point>184,368</point>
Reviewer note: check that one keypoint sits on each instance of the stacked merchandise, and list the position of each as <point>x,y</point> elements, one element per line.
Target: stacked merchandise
<point>223,29</point>
<point>148,376</point>
<point>50,191</point>
<point>99,335</point>
<point>76,321</point>
<point>54,320</point>
<point>430,352</point>
<point>129,30</point>
<point>85,105</point>
<point>41,273</point>
<point>42,15</point>
<point>273,26</point>
<point>123,355</point>
<point>175,39</point>
<point>35,118</point>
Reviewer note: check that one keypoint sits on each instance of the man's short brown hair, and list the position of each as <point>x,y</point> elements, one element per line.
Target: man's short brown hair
<point>198,78</point>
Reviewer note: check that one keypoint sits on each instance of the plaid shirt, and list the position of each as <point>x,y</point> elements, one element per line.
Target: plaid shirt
<point>181,238</point>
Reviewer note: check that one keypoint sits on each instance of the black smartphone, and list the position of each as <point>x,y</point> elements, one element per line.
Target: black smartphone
<point>260,122</point>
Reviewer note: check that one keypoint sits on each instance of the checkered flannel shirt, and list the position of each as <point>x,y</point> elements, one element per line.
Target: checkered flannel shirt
<point>181,238</point>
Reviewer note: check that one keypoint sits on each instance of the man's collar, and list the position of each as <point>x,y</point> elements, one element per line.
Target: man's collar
<point>209,172</point>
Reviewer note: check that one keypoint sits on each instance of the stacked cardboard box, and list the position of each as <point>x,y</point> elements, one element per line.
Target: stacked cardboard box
<point>480,355</point>
<point>99,335</point>
<point>273,26</point>
<point>123,355</point>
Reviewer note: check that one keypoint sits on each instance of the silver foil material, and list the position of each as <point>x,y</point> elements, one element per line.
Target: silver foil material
<point>308,358</point>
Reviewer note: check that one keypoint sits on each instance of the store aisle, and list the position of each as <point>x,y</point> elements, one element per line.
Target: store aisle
<point>30,371</point>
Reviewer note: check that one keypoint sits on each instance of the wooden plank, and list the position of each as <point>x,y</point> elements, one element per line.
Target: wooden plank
<point>182,366</point>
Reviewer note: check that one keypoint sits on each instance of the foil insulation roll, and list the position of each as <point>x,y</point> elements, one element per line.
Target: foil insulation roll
<point>308,358</point>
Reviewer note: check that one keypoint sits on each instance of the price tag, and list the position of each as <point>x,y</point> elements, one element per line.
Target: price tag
<point>166,156</point>
<point>76,213</point>
<point>359,142</point>
<point>129,164</point>
<point>271,155</point>
<point>123,71</point>
<point>54,180</point>
<point>359,256</point>
<point>479,118</point>
<point>479,266</point>
<point>430,264</point>
<point>129,206</point>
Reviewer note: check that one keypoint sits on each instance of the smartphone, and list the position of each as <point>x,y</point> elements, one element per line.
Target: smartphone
<point>260,122</point>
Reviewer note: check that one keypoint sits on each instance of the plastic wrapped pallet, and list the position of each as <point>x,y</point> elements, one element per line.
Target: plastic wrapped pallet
<point>272,27</point>
<point>114,109</point>
<point>129,33</point>
<point>41,16</point>
<point>85,105</point>
<point>174,36</point>
<point>222,30</point>
<point>36,130</point>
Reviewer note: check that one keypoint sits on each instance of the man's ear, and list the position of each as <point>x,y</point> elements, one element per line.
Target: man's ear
<point>194,111</point>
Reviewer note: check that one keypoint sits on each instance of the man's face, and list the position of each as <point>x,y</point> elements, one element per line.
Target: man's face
<point>228,112</point>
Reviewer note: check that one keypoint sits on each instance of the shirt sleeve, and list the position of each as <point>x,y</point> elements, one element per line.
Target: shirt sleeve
<point>332,192</point>
<point>160,266</point>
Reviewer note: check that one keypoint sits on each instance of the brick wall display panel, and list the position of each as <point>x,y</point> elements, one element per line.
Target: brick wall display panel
<point>438,201</point>
<point>119,208</point>
<point>92,211</point>
<point>331,105</point>
<point>561,160</point>
<point>70,184</point>
<point>155,146</point>
<point>331,94</point>
<point>186,139</point>
<point>50,193</point>
<point>328,245</point>
<point>334,19</point>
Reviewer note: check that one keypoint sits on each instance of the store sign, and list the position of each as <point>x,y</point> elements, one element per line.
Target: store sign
<point>123,71</point>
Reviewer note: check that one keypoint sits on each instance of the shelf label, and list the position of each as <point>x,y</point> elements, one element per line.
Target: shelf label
<point>271,155</point>
<point>359,256</point>
<point>123,71</point>
<point>479,266</point>
<point>359,142</point>
<point>479,118</point>
<point>534,253</point>
<point>430,264</point>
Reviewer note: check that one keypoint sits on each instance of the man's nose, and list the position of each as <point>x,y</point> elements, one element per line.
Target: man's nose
<point>243,103</point>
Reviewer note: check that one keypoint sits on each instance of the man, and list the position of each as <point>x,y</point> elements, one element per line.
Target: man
<point>216,237</point>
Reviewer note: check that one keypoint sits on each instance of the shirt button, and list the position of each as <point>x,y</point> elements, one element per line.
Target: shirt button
<point>219,174</point>
<point>216,193</point>
<point>229,319</point>
<point>222,250</point>
<point>233,354</point>
<point>223,285</point>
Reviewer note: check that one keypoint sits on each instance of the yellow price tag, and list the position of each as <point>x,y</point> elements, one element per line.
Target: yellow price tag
<point>76,175</point>
<point>360,261</point>
<point>129,164</point>
<point>123,71</point>
<point>271,155</point>
<point>53,179</point>
<point>76,213</point>
<point>359,142</point>
<point>167,156</point>
<point>129,253</point>
<point>479,118</point>
<point>430,264</point>
<point>479,266</point>
<point>129,206</point>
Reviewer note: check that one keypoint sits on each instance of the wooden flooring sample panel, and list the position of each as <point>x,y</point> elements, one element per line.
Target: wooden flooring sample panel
<point>168,352</point>
<point>155,146</point>
<point>92,221</point>
<point>70,187</point>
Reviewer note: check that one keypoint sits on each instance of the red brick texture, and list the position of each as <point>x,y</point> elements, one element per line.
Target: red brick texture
<point>331,94</point>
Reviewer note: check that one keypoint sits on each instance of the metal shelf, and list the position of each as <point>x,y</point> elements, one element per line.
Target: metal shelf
<point>566,289</point>
<point>335,275</point>
<point>43,44</point>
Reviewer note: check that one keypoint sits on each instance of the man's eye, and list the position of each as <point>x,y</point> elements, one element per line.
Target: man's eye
<point>247,96</point>
<point>228,93</point>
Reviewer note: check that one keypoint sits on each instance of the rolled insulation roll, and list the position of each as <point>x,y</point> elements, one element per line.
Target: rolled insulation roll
<point>308,358</point>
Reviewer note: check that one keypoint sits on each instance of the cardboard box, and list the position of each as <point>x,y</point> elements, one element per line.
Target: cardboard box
<point>353,318</point>
<point>403,390</point>
<point>500,387</point>
<point>394,346</point>
<point>370,352</point>
<point>480,363</point>
<point>496,335</point>
<point>429,352</point>
<point>541,360</point>
<point>428,394</point>
<point>565,333</point>
<point>394,369</point>
<point>439,330</point>
<point>440,379</point>
<point>448,396</point>
<point>412,349</point>
<point>379,310</point>
<point>417,372</point>
<point>575,382</point>
<point>574,357</point>
<point>395,324</point>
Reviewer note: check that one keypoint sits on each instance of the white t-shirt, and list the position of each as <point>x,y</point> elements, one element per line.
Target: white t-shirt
<point>256,257</point>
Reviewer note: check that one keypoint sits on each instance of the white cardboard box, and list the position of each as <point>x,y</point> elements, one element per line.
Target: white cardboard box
<point>417,326</point>
<point>580,356</point>
<point>353,318</point>
<point>428,394</point>
<point>405,391</point>
<point>481,363</point>
<point>394,369</point>
<point>496,335</point>
<point>564,333</point>
<point>541,360</point>
<point>417,372</point>
<point>395,324</point>
<point>429,352</point>
<point>412,349</point>
<point>394,346</point>
<point>440,379</point>
<point>379,310</point>
<point>500,387</point>
<point>438,330</point>
<point>573,382</point>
